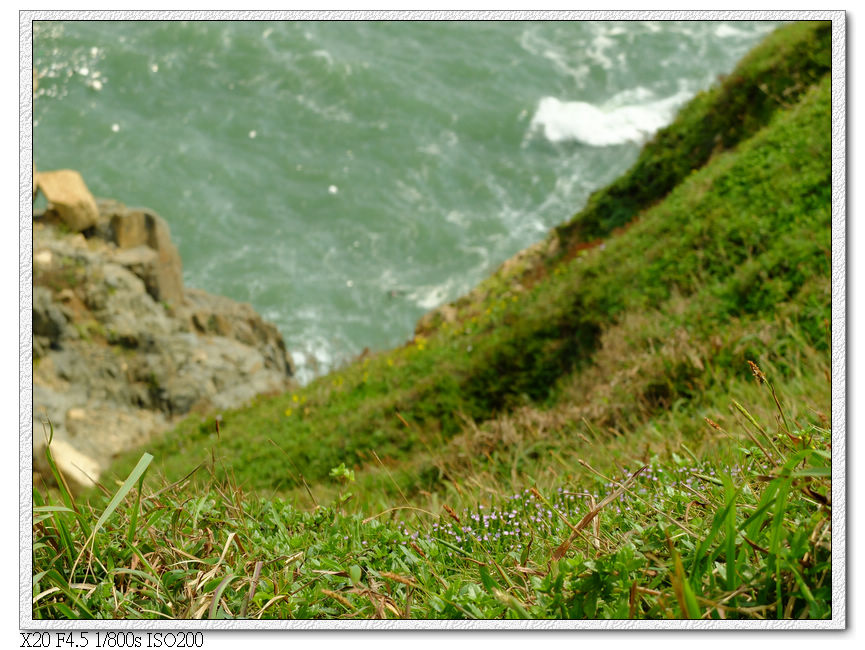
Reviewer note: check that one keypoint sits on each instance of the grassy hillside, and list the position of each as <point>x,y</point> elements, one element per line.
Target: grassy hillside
<point>746,236</point>
<point>533,399</point>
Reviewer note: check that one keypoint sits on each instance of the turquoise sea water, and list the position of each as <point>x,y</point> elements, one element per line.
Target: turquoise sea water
<point>346,177</point>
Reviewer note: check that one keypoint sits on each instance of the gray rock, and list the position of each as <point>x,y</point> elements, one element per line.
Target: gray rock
<point>130,315</point>
<point>50,320</point>
<point>221,316</point>
<point>124,429</point>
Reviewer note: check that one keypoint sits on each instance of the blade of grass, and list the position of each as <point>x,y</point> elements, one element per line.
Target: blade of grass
<point>62,485</point>
<point>515,605</point>
<point>730,532</point>
<point>65,537</point>
<point>759,428</point>
<point>133,477</point>
<point>718,520</point>
<point>54,577</point>
<point>682,587</point>
<point>754,523</point>
<point>133,519</point>
<point>52,509</point>
<point>776,539</point>
<point>217,594</point>
<point>252,587</point>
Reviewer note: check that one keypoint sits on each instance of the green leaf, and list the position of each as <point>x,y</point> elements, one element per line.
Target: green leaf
<point>52,509</point>
<point>730,531</point>
<point>719,519</point>
<point>487,580</point>
<point>354,574</point>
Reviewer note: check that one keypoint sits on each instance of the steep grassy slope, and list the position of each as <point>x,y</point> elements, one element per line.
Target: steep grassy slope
<point>774,75</point>
<point>737,242</point>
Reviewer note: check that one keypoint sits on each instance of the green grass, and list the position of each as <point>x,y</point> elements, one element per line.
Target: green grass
<point>741,536</point>
<point>542,393</point>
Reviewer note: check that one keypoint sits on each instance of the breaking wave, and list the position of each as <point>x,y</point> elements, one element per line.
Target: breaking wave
<point>631,116</point>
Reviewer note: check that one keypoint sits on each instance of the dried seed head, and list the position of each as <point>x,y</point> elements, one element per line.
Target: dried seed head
<point>757,372</point>
<point>451,512</point>
<point>337,597</point>
<point>398,578</point>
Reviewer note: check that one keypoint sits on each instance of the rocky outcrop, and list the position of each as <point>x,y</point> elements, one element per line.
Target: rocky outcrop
<point>122,350</point>
<point>146,249</point>
<point>222,317</point>
<point>68,198</point>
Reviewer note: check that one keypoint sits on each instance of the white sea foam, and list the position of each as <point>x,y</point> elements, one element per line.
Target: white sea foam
<point>312,351</point>
<point>458,218</point>
<point>431,149</point>
<point>431,296</point>
<point>329,112</point>
<point>726,31</point>
<point>312,355</point>
<point>630,116</point>
<point>597,51</point>
<point>324,55</point>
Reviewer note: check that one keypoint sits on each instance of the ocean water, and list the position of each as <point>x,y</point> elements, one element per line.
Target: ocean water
<point>346,177</point>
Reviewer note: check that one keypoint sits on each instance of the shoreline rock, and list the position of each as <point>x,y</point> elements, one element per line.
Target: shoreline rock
<point>121,349</point>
